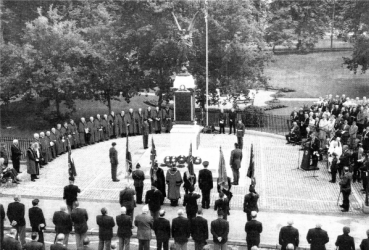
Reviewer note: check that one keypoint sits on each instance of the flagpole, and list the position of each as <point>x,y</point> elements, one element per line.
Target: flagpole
<point>207,63</point>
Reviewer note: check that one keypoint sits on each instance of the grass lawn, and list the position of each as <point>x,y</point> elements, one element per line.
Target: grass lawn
<point>317,74</point>
<point>21,116</point>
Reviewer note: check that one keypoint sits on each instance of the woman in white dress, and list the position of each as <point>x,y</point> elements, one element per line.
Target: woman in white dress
<point>323,129</point>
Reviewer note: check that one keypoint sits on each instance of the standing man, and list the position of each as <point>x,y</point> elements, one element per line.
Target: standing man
<point>288,235</point>
<point>16,155</point>
<point>250,203</point>
<point>63,224</point>
<point>345,188</point>
<point>353,132</point>
<point>345,241</point>
<point>70,194</point>
<point>10,243</point>
<point>232,121</point>
<point>139,121</point>
<point>364,245</point>
<point>138,177</point>
<point>45,144</point>
<point>190,202</point>
<point>113,155</point>
<point>222,204</point>
<point>73,130</point>
<point>145,133</point>
<point>219,229</point>
<point>240,133</point>
<point>158,179</point>
<point>162,231</point>
<point>317,237</point>
<point>122,124</point>
<point>157,116</point>
<point>16,218</point>
<point>205,184</point>
<point>33,244</point>
<point>92,129</point>
<point>199,230</point>
<point>222,119</point>
<point>168,116</point>
<point>235,162</point>
<point>124,233</point>
<point>83,132</point>
<point>149,118</point>
<point>113,125</point>
<point>154,199</point>
<point>144,224</point>
<point>37,220</point>
<point>180,231</point>
<point>127,199</point>
<point>79,218</point>
<point>132,122</point>
<point>106,224</point>
<point>2,218</point>
<point>99,129</point>
<point>334,167</point>
<point>253,230</point>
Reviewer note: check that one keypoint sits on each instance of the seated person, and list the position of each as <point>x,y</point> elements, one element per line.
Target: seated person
<point>8,172</point>
<point>294,135</point>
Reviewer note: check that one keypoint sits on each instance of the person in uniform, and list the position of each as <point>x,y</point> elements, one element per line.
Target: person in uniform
<point>174,181</point>
<point>106,127</point>
<point>168,117</point>
<point>158,179</point>
<point>222,204</point>
<point>190,202</point>
<point>157,116</point>
<point>122,124</point>
<point>138,177</point>
<point>82,130</point>
<point>205,185</point>
<point>99,136</point>
<point>250,202</point>
<point>139,121</point>
<point>232,116</point>
<point>92,131</point>
<point>188,181</point>
<point>225,189</point>
<point>70,194</point>
<point>222,119</point>
<point>240,133</point>
<point>127,199</point>
<point>149,118</point>
<point>235,162</point>
<point>145,133</point>
<point>55,140</point>
<point>345,188</point>
<point>113,155</point>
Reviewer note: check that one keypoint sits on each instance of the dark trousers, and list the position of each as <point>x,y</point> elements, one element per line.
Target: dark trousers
<point>251,242</point>
<point>40,234</point>
<point>334,175</point>
<point>339,169</point>
<point>87,138</point>
<point>356,173</point>
<point>139,191</point>
<point>240,142</point>
<point>221,128</point>
<point>236,175</point>
<point>16,165</point>
<point>363,179</point>
<point>130,212</point>
<point>114,171</point>
<point>232,125</point>
<point>150,127</point>
<point>199,245</point>
<point>346,200</point>
<point>33,176</point>
<point>248,215</point>
<point>205,198</point>
<point>143,244</point>
<point>145,140</point>
<point>164,244</point>
<point>191,216</point>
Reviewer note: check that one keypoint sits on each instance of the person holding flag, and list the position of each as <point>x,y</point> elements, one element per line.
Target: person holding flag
<point>250,203</point>
<point>128,159</point>
<point>156,173</point>
<point>189,177</point>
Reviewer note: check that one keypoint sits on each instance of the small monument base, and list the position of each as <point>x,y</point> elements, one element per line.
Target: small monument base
<point>182,135</point>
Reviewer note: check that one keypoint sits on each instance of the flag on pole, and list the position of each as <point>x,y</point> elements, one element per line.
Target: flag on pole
<point>251,170</point>
<point>153,150</point>
<point>222,172</point>
<point>71,167</point>
<point>128,160</point>
<point>190,162</point>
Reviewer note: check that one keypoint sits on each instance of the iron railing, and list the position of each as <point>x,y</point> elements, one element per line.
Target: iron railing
<point>23,145</point>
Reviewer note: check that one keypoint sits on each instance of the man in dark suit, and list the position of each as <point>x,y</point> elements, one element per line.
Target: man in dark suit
<point>317,238</point>
<point>144,224</point>
<point>232,116</point>
<point>34,244</point>
<point>219,228</point>
<point>235,162</point>
<point>253,230</point>
<point>2,218</point>
<point>250,202</point>
<point>345,188</point>
<point>205,184</point>
<point>106,224</point>
<point>70,194</point>
<point>16,155</point>
<point>162,231</point>
<point>288,234</point>
<point>79,219</point>
<point>37,220</point>
<point>154,198</point>
<point>138,177</point>
<point>364,245</point>
<point>58,245</point>
<point>222,204</point>
<point>63,224</point>
<point>127,199</point>
<point>16,218</point>
<point>240,132</point>
<point>190,202</point>
<point>345,241</point>
<point>199,230</point>
<point>180,231</point>
<point>113,155</point>
<point>10,243</point>
<point>124,233</point>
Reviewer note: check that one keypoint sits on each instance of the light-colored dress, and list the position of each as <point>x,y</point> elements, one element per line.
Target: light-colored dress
<point>174,181</point>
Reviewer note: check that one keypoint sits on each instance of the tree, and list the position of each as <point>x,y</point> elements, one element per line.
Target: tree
<point>360,55</point>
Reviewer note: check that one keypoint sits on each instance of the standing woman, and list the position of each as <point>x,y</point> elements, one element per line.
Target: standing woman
<point>174,181</point>
<point>31,162</point>
<point>311,122</point>
<point>323,129</point>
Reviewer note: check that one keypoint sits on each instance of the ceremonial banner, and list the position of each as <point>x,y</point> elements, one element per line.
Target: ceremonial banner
<point>222,172</point>
<point>251,170</point>
<point>128,159</point>
<point>190,163</point>
<point>71,167</point>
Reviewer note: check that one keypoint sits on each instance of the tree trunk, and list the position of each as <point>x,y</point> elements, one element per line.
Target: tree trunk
<point>108,99</point>
<point>57,103</point>
<point>160,101</point>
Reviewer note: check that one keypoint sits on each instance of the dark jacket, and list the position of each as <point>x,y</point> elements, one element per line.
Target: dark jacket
<point>62,222</point>
<point>58,247</point>
<point>36,217</point>
<point>16,152</point>
<point>219,228</point>
<point>16,213</point>
<point>33,245</point>
<point>9,243</point>
<point>138,177</point>
<point>79,219</point>
<point>250,202</point>
<point>287,235</point>
<point>253,230</point>
<point>126,198</point>
<point>236,158</point>
<point>232,116</point>
<point>205,180</point>
<point>162,229</point>
<point>317,238</point>
<point>187,181</point>
<point>106,224</point>
<point>124,223</point>
<point>345,242</point>
<point>154,198</point>
<point>2,218</point>
<point>199,229</point>
<point>180,229</point>
<point>113,155</point>
<point>190,202</point>
<point>222,204</point>
<point>70,194</point>
<point>364,245</point>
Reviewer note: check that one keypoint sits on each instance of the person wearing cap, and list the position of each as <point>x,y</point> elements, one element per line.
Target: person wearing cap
<point>70,194</point>
<point>345,241</point>
<point>253,230</point>
<point>144,223</point>
<point>58,245</point>
<point>168,117</point>
<point>154,199</point>
<point>199,230</point>
<point>345,188</point>
<point>289,235</point>
<point>250,202</point>
<point>364,245</point>
<point>79,218</point>
<point>124,233</point>
<point>205,185</point>
<point>334,167</point>
<point>181,231</point>
<point>15,213</point>
<point>10,243</point>
<point>190,202</point>
<point>34,244</point>
<point>138,177</point>
<point>106,224</point>
<point>317,238</point>
<point>240,133</point>
<point>145,134</point>
<point>158,179</point>
<point>222,204</point>
<point>174,181</point>
<point>63,224</point>
<point>219,228</point>
<point>113,155</point>
<point>37,220</point>
<point>235,163</point>
<point>162,231</point>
